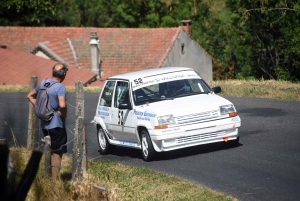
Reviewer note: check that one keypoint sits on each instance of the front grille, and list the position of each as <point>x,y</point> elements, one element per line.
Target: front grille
<point>199,137</point>
<point>197,117</point>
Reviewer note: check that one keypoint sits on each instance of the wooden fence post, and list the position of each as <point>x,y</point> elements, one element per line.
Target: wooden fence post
<point>78,150</point>
<point>47,155</point>
<point>31,118</point>
<point>85,156</point>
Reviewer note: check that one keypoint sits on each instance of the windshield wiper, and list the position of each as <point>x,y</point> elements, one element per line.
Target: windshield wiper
<point>155,99</point>
<point>190,94</point>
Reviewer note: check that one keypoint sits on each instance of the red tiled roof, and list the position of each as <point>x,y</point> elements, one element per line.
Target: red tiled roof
<point>17,67</point>
<point>121,49</point>
<point>62,48</point>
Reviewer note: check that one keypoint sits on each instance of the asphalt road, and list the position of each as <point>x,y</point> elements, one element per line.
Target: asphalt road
<point>265,165</point>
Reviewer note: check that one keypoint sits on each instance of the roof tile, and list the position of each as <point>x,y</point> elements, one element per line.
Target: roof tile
<point>121,49</point>
<point>17,67</point>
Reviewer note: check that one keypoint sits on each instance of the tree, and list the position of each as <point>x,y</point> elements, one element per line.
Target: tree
<point>26,13</point>
<point>219,32</point>
<point>39,13</point>
<point>272,26</point>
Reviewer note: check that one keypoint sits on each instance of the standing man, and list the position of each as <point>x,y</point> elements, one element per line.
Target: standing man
<point>55,128</point>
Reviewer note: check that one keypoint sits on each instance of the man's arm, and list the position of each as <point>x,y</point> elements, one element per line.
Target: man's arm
<point>32,97</point>
<point>62,111</point>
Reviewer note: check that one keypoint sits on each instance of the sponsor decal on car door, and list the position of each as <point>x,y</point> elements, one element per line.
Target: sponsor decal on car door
<point>122,125</point>
<point>104,109</point>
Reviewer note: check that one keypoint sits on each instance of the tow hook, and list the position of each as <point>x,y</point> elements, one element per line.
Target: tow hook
<point>225,139</point>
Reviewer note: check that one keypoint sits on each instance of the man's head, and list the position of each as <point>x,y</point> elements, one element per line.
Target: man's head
<point>176,85</point>
<point>59,71</point>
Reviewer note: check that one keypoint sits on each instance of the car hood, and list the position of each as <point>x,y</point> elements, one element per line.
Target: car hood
<point>186,105</point>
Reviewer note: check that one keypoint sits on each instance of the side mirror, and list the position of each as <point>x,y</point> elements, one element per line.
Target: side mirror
<point>217,89</point>
<point>124,106</point>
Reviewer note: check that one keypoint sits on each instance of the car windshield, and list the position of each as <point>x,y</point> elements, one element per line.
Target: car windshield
<point>170,90</point>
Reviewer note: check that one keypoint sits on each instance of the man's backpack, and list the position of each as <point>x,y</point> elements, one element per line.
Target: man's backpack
<point>43,109</point>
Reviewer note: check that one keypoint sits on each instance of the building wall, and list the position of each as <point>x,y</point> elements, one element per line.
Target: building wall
<point>186,52</point>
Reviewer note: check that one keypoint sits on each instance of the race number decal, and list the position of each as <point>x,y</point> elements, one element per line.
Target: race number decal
<point>138,81</point>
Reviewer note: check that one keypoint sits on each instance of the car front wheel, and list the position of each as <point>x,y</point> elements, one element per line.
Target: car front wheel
<point>235,142</point>
<point>147,147</point>
<point>103,142</point>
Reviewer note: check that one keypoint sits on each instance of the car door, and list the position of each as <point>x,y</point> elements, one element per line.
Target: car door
<point>104,109</point>
<point>122,122</point>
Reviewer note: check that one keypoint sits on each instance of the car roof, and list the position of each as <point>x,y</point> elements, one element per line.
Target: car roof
<point>149,72</point>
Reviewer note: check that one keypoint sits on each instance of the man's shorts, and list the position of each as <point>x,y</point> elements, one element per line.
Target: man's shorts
<point>58,139</point>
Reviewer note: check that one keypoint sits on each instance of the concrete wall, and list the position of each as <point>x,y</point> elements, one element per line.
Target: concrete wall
<point>188,53</point>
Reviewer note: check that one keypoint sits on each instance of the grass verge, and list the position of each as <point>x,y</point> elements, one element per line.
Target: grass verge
<point>137,183</point>
<point>282,90</point>
<point>26,88</point>
<point>122,183</point>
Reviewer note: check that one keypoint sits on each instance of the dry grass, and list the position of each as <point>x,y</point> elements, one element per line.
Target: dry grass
<point>120,182</point>
<point>26,88</point>
<point>14,88</point>
<point>282,90</point>
<point>86,89</point>
<point>136,183</point>
<point>46,189</point>
<point>43,187</point>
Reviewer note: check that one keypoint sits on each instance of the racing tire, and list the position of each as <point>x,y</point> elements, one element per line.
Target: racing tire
<point>148,151</point>
<point>104,145</point>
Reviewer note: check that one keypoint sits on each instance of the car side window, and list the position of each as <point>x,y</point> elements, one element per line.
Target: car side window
<point>106,97</point>
<point>121,94</point>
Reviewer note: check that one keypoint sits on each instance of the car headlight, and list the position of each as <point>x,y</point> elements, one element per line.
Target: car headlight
<point>167,119</point>
<point>164,121</point>
<point>228,109</point>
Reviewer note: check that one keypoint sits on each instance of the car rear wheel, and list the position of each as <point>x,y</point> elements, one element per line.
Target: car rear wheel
<point>103,142</point>
<point>147,147</point>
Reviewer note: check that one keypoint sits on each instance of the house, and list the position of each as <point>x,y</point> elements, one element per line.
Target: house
<point>17,67</point>
<point>110,51</point>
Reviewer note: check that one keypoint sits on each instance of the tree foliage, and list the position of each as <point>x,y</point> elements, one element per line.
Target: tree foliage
<point>247,39</point>
<point>22,12</point>
<point>272,27</point>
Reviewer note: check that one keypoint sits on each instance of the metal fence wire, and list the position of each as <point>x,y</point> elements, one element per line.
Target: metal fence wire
<point>13,132</point>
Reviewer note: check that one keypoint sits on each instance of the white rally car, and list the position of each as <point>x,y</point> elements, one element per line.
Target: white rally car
<point>163,109</point>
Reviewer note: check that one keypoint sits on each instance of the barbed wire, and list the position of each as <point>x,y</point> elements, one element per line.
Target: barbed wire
<point>19,174</point>
<point>9,103</point>
<point>92,159</point>
<point>79,161</point>
<point>28,102</point>
<point>38,145</point>
<point>71,105</point>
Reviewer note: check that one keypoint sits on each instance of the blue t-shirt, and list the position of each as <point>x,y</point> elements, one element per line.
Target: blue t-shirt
<point>55,91</point>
